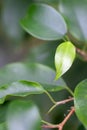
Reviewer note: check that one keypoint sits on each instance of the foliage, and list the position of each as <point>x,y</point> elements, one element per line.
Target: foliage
<point>67,27</point>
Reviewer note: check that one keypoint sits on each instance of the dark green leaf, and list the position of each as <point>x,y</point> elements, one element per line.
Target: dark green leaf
<point>80,101</point>
<point>3,111</point>
<point>23,115</point>
<point>21,88</point>
<point>81,127</point>
<point>64,57</point>
<point>31,72</point>
<point>75,13</point>
<point>44,22</point>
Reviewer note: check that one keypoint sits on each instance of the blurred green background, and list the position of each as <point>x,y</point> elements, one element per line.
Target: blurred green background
<point>16,45</point>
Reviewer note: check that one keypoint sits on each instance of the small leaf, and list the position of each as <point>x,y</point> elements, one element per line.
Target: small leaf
<point>44,22</point>
<point>31,72</point>
<point>20,88</point>
<point>80,101</point>
<point>75,13</point>
<point>23,115</point>
<point>64,57</point>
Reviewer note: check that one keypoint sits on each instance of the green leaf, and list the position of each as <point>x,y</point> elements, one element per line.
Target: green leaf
<point>80,101</point>
<point>3,111</point>
<point>81,127</point>
<point>44,22</point>
<point>64,57</point>
<point>20,88</point>
<point>3,126</point>
<point>23,115</point>
<point>75,13</point>
<point>31,72</point>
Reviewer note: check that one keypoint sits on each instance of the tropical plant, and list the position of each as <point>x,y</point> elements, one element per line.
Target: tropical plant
<point>67,26</point>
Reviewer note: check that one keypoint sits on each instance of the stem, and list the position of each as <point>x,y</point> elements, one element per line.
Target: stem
<point>45,122</point>
<point>61,125</point>
<point>48,125</point>
<point>59,103</point>
<point>82,53</point>
<point>69,90</point>
<point>65,101</point>
<point>52,108</point>
<point>50,97</point>
<point>66,38</point>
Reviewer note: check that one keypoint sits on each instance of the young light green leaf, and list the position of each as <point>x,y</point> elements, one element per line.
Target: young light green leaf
<point>75,13</point>
<point>64,57</point>
<point>80,101</point>
<point>20,88</point>
<point>44,22</point>
<point>23,115</point>
<point>31,72</point>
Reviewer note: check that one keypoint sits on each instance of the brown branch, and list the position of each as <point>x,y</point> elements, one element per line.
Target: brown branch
<point>60,103</point>
<point>61,125</point>
<point>83,54</point>
<point>49,126</point>
<point>64,101</point>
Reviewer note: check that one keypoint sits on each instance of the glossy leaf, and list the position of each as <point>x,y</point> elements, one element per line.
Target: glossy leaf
<point>64,57</point>
<point>20,88</point>
<point>31,72</point>
<point>80,101</point>
<point>44,22</point>
<point>23,115</point>
<point>75,13</point>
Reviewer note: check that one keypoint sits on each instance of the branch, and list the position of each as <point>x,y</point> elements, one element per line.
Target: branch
<point>60,102</point>
<point>61,125</point>
<point>64,101</point>
<point>83,54</point>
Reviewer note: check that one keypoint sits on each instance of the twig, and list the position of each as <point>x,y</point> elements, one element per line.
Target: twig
<point>64,101</point>
<point>50,97</point>
<point>59,103</point>
<point>61,125</point>
<point>82,53</point>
